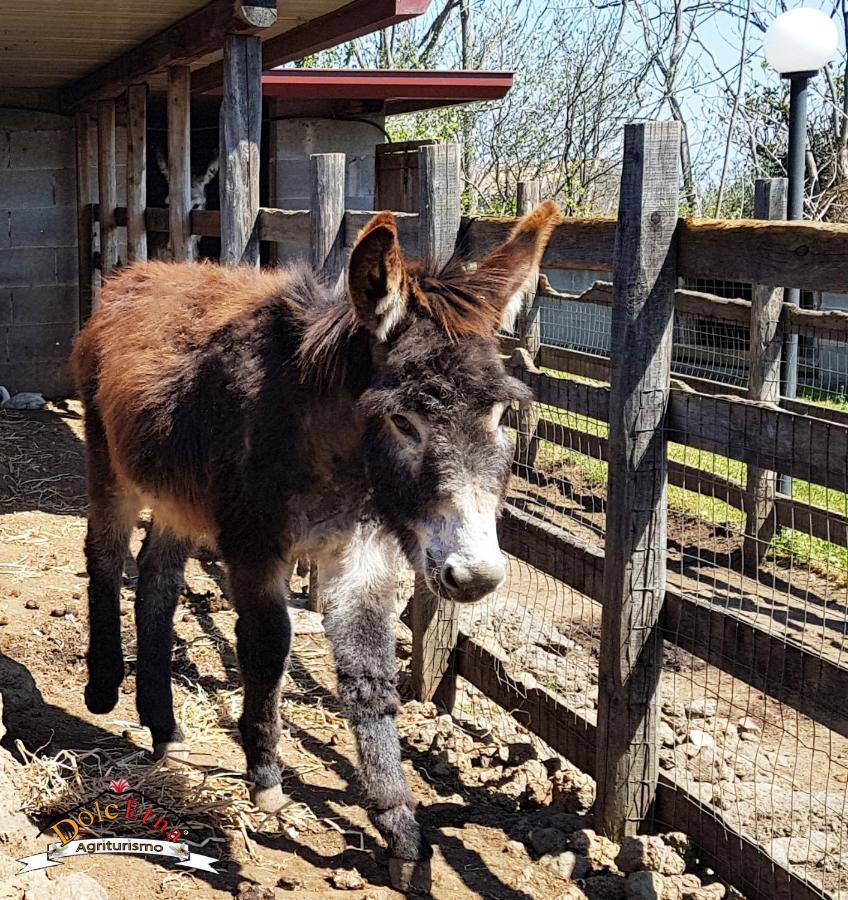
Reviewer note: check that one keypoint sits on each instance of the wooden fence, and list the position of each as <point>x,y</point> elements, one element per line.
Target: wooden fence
<point>648,248</point>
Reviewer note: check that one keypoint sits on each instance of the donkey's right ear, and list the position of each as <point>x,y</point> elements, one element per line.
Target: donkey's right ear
<point>376,277</point>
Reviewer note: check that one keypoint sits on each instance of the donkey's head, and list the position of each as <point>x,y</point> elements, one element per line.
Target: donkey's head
<point>200,181</point>
<point>436,445</point>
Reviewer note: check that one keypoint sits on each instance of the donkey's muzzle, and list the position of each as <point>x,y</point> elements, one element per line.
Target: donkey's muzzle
<point>466,580</point>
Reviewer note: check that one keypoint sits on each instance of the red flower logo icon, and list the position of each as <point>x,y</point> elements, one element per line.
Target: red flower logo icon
<point>119,786</point>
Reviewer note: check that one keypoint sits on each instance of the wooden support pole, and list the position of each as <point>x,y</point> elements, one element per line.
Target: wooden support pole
<point>326,214</point>
<point>529,333</point>
<point>179,162</point>
<point>433,621</point>
<point>86,160</point>
<point>136,171</point>
<point>240,134</point>
<point>763,381</point>
<point>439,204</point>
<point>107,185</point>
<point>634,573</point>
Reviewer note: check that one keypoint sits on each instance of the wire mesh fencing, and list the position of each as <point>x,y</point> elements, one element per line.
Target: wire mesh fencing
<point>753,720</point>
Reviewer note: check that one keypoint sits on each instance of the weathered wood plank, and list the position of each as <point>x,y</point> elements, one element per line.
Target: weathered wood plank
<point>179,163</point>
<point>735,858</point>
<point>761,435</point>
<point>763,382</point>
<point>86,159</point>
<point>808,255</point>
<point>241,126</point>
<point>136,171</point>
<point>575,244</point>
<point>634,573</point>
<point>434,621</point>
<point>574,396</point>
<point>742,649</point>
<point>407,225</point>
<point>327,209</point>
<point>107,185</point>
<point>439,211</point>
<point>536,708</point>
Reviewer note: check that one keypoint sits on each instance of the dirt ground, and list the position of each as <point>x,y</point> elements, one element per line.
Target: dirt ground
<point>325,832</point>
<point>776,776</point>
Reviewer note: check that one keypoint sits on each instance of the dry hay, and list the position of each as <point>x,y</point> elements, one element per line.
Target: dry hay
<point>208,797</point>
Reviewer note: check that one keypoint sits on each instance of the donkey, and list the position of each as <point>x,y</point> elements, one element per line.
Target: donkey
<point>200,182</point>
<point>282,419</point>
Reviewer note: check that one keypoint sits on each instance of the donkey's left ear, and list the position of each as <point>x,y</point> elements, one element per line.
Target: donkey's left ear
<point>376,277</point>
<point>505,271</point>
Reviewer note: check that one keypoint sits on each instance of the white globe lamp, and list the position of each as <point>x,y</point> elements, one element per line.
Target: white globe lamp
<point>800,40</point>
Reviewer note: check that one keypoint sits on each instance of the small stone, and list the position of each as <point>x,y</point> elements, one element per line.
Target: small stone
<point>700,739</point>
<point>644,886</point>
<point>547,840</point>
<point>641,853</point>
<point>58,612</point>
<point>247,890</point>
<point>702,708</point>
<point>678,841</point>
<point>567,865</point>
<point>347,880</point>
<point>666,734</point>
<point>4,619</point>
<point>748,726</point>
<point>600,852</point>
<point>31,604</point>
<point>514,847</point>
<point>714,891</point>
<point>289,883</point>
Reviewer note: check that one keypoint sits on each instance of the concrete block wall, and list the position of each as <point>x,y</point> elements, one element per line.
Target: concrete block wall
<point>38,251</point>
<point>293,141</point>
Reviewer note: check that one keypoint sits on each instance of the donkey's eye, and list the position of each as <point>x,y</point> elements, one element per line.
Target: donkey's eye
<point>405,427</point>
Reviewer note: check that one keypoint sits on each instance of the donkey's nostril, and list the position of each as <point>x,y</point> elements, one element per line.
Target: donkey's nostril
<point>449,578</point>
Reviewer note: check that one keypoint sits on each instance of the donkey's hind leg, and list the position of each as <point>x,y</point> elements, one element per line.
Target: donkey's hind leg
<point>161,566</point>
<point>263,635</point>
<point>111,516</point>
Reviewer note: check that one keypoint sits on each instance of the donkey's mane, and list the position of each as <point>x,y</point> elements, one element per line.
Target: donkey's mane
<point>462,301</point>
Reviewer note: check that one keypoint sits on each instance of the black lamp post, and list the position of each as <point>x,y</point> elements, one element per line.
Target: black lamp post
<point>798,44</point>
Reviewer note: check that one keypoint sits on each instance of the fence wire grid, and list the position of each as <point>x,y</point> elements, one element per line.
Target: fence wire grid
<point>766,754</point>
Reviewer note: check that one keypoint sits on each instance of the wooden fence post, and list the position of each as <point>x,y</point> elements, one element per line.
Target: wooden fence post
<point>107,187</point>
<point>634,571</point>
<point>326,213</point>
<point>528,329</point>
<point>179,162</point>
<point>763,381</point>
<point>86,157</point>
<point>433,621</point>
<point>241,131</point>
<point>136,171</point>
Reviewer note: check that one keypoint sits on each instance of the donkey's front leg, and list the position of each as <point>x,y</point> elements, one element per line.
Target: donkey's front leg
<point>263,635</point>
<point>358,625</point>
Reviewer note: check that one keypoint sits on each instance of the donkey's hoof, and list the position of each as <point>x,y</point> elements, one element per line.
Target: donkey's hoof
<point>100,700</point>
<point>268,799</point>
<point>174,753</point>
<point>410,876</point>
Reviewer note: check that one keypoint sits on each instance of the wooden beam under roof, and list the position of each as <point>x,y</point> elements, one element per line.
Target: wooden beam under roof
<point>343,24</point>
<point>196,35</point>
